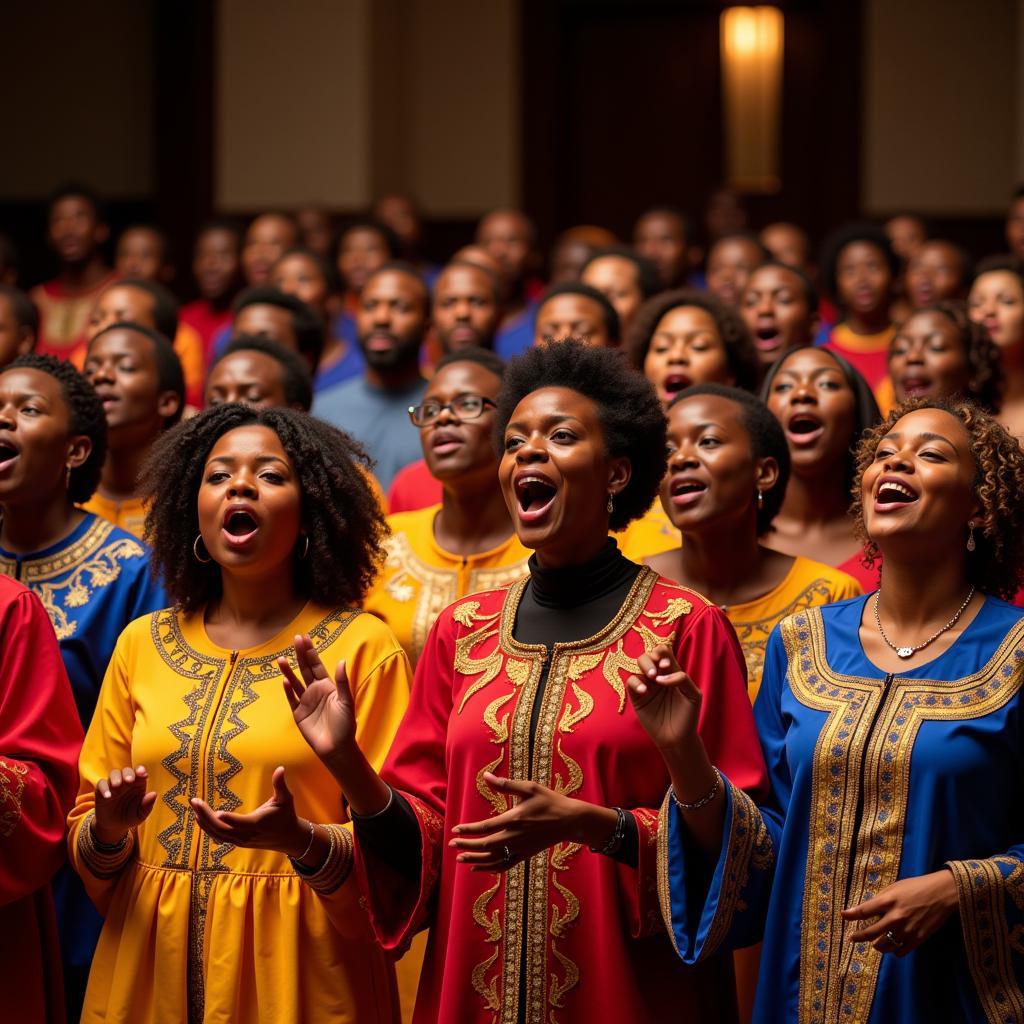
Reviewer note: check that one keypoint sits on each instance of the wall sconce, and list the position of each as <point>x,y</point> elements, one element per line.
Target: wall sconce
<point>751,40</point>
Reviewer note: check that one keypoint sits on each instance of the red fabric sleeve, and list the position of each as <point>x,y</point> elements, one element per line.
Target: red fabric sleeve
<point>399,906</point>
<point>413,488</point>
<point>40,737</point>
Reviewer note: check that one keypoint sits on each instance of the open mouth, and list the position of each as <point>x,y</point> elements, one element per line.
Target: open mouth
<point>892,493</point>
<point>675,382</point>
<point>240,526</point>
<point>445,442</point>
<point>913,387</point>
<point>8,455</point>
<point>767,338</point>
<point>804,428</point>
<point>535,495</point>
<point>685,491</point>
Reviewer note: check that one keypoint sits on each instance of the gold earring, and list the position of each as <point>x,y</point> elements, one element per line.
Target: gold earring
<point>67,477</point>
<point>195,550</point>
<point>760,499</point>
<point>611,505</point>
<point>970,537</point>
<point>305,550</point>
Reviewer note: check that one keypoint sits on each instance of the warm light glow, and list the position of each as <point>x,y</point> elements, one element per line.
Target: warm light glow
<point>751,46</point>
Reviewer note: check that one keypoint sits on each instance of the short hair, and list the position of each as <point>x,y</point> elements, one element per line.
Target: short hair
<point>646,272</point>
<point>740,351</point>
<point>860,231</point>
<point>767,440</point>
<point>156,229</point>
<point>996,566</point>
<point>810,292</point>
<point>1006,264</point>
<point>86,417</point>
<point>743,235</point>
<point>986,379</point>
<point>608,315</point>
<point>76,190</point>
<point>308,328</point>
<point>391,241</point>
<point>228,224</point>
<point>169,374</point>
<point>490,361</point>
<point>497,284</point>
<point>295,375</point>
<point>340,513</point>
<point>865,407</point>
<point>326,270</point>
<point>685,222</point>
<point>630,414</point>
<point>404,267</point>
<point>165,305</point>
<point>24,309</point>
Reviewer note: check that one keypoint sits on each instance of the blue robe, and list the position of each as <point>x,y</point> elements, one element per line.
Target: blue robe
<point>92,584</point>
<point>874,778</point>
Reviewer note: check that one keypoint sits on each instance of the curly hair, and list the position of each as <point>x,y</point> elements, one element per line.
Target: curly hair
<point>86,417</point>
<point>340,512</point>
<point>985,377</point>
<point>767,440</point>
<point>996,566</point>
<point>740,352</point>
<point>630,414</point>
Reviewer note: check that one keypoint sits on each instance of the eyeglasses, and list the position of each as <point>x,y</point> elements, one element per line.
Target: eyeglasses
<point>464,407</point>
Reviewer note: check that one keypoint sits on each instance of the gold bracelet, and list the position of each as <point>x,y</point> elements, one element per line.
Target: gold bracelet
<point>312,838</point>
<point>704,800</point>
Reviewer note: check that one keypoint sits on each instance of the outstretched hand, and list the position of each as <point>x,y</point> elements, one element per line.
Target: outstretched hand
<point>323,708</point>
<point>666,700</point>
<point>274,825</point>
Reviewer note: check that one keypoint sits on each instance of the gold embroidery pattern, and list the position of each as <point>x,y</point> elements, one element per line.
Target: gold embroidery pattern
<point>228,695</point>
<point>12,788</point>
<point>753,633</point>
<point>432,588</point>
<point>664,889</point>
<point>95,564</point>
<point>837,977</point>
<point>990,944</point>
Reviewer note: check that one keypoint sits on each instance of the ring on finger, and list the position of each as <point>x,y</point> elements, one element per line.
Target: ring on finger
<point>891,936</point>
<point>506,855</point>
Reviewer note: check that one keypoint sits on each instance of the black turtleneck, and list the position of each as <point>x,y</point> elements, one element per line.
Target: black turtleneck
<point>557,606</point>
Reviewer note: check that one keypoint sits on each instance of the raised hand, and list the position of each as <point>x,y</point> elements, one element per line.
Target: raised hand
<point>274,825</point>
<point>122,802</point>
<point>666,700</point>
<point>906,913</point>
<point>323,708</point>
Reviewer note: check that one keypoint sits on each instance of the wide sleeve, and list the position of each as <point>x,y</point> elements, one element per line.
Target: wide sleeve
<point>39,740</point>
<point>709,907</point>
<point>416,768</point>
<point>381,698</point>
<point>991,899</point>
<point>108,745</point>
<point>708,651</point>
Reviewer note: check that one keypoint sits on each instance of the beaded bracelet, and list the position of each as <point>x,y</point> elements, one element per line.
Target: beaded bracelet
<point>611,846</point>
<point>704,800</point>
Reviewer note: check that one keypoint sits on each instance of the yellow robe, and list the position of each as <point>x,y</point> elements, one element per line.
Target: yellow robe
<point>420,579</point>
<point>806,585</point>
<point>130,515</point>
<point>201,931</point>
<point>649,535</point>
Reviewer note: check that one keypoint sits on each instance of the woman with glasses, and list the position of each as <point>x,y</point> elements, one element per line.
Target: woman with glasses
<point>438,554</point>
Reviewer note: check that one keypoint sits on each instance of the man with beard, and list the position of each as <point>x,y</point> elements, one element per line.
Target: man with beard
<point>392,319</point>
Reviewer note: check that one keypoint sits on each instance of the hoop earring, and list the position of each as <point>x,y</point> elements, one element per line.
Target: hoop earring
<point>760,499</point>
<point>970,537</point>
<point>611,505</point>
<point>305,550</point>
<point>195,550</point>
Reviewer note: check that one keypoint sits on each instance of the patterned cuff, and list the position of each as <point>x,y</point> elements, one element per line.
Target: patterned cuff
<point>336,868</point>
<point>102,860</point>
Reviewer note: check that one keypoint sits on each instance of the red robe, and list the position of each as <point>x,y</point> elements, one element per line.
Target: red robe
<point>40,737</point>
<point>588,927</point>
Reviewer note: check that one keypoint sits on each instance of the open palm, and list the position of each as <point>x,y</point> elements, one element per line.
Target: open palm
<point>322,707</point>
